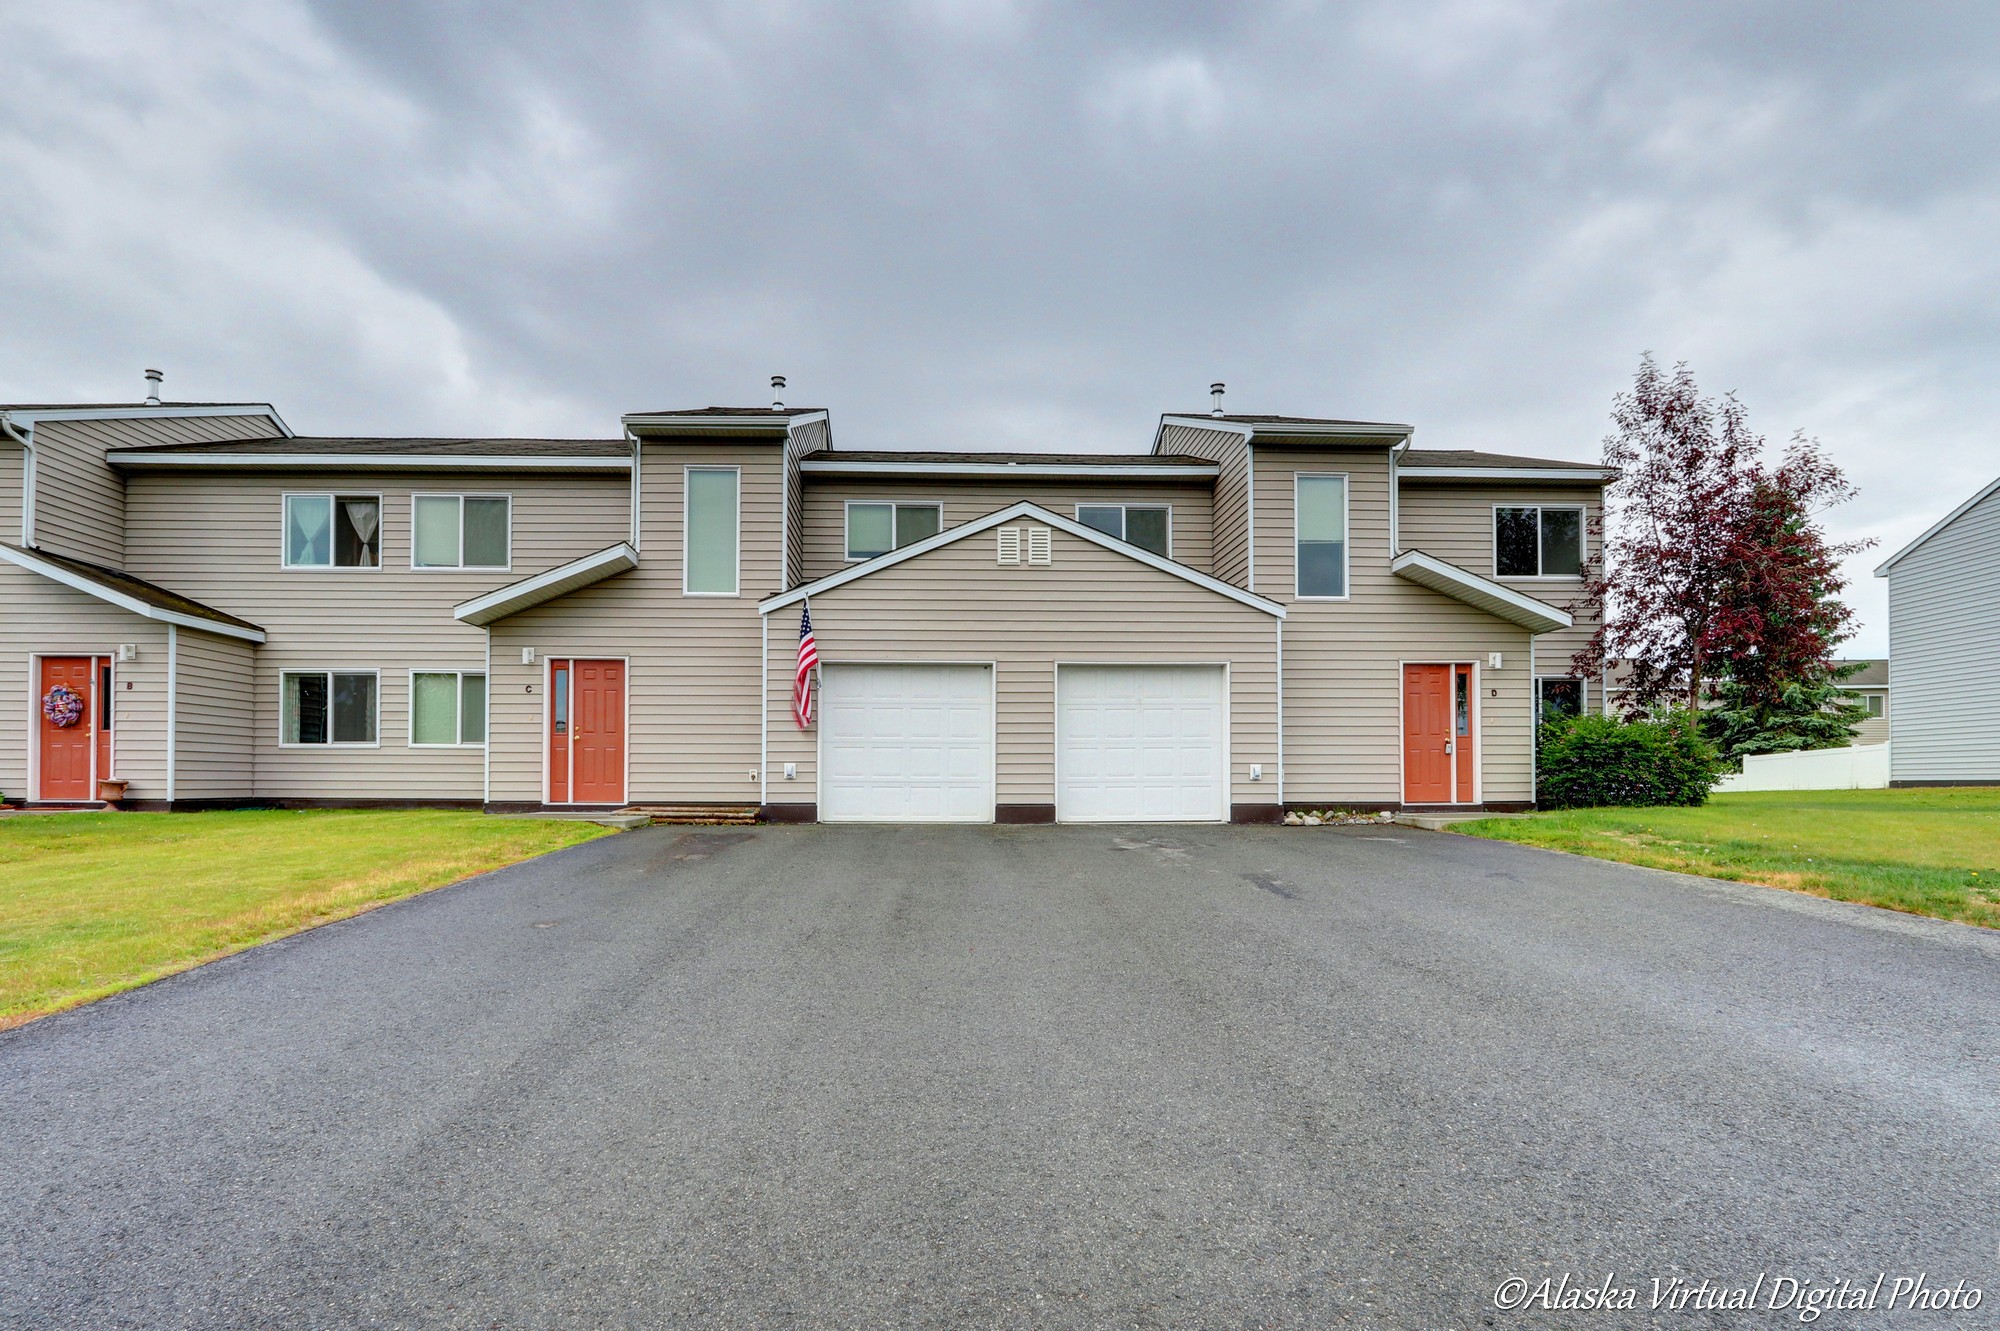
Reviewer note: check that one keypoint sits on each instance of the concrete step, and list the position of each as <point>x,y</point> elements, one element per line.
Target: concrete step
<point>731,814</point>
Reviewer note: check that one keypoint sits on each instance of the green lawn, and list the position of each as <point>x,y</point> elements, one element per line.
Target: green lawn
<point>94,903</point>
<point>1928,852</point>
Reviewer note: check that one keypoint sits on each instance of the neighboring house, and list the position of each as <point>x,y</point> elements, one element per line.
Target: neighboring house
<point>1870,687</point>
<point>1944,631</point>
<point>1259,612</point>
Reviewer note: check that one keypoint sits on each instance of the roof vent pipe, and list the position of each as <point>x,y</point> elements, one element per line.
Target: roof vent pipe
<point>777,392</point>
<point>153,378</point>
<point>1215,391</point>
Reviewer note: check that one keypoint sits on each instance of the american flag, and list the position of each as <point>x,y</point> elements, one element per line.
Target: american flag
<point>802,688</point>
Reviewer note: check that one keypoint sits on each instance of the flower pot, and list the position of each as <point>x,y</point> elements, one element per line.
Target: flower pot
<point>111,791</point>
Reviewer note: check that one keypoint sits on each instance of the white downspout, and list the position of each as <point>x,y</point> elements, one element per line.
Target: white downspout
<point>763,710</point>
<point>486,769</point>
<point>1250,516</point>
<point>1281,718</point>
<point>173,705</point>
<point>27,443</point>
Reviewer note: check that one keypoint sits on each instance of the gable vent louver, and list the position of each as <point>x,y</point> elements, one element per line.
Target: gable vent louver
<point>1010,545</point>
<point>1040,549</point>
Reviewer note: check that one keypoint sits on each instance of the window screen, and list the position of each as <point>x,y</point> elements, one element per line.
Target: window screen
<point>1322,535</point>
<point>876,529</point>
<point>434,709</point>
<point>711,531</point>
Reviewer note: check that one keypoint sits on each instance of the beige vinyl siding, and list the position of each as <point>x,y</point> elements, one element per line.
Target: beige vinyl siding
<point>825,525</point>
<point>1091,605</point>
<point>1455,523</point>
<point>1229,543</point>
<point>13,459</point>
<point>80,499</point>
<point>1944,635</point>
<point>45,618</point>
<point>1874,730</point>
<point>691,679</point>
<point>218,537</point>
<point>1344,659</point>
<point>807,438</point>
<point>214,717</point>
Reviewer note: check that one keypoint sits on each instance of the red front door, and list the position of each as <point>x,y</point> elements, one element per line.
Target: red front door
<point>1427,727</point>
<point>67,752</point>
<point>586,732</point>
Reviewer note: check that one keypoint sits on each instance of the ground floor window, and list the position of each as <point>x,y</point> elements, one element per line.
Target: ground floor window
<point>1559,697</point>
<point>447,707</point>
<point>328,707</point>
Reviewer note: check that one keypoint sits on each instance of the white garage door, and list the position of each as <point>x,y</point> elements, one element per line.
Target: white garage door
<point>1139,744</point>
<point>906,744</point>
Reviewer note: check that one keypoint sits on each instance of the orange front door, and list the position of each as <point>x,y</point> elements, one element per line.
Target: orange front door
<point>586,732</point>
<point>1427,726</point>
<point>67,751</point>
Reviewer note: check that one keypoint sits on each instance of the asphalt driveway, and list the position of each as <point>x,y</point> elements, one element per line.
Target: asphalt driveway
<point>1019,1077</point>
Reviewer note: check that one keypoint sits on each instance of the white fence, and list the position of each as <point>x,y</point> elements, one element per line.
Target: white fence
<point>1861,767</point>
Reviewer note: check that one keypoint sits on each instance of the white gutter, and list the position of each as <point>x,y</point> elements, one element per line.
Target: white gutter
<point>1580,475</point>
<point>146,457</point>
<point>1138,470</point>
<point>90,587</point>
<point>137,412</point>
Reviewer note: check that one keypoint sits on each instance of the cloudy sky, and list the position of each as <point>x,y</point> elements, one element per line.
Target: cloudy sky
<point>981,223</point>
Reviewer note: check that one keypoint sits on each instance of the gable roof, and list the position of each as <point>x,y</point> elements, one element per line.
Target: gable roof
<point>992,520</point>
<point>1882,569</point>
<point>121,589</point>
<point>324,451</point>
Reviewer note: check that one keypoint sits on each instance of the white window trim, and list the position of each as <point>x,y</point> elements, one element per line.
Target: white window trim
<point>1077,513</point>
<point>461,566</point>
<point>1346,528</point>
<point>1582,542</point>
<point>687,530</point>
<point>329,672</point>
<point>458,702</point>
<point>847,518</point>
<point>285,498</point>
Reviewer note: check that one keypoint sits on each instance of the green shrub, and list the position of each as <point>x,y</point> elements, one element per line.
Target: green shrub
<point>1594,761</point>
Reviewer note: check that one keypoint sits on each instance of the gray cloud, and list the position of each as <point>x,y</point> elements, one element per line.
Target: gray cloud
<point>982,223</point>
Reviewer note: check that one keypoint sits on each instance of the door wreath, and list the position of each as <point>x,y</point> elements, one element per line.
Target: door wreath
<point>62,706</point>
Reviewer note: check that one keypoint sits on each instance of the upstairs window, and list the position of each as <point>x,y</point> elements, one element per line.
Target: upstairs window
<point>1538,542</point>
<point>1143,525</point>
<point>459,531</point>
<point>710,540</point>
<point>333,531</point>
<point>876,529</point>
<point>1320,507</point>
<point>327,707</point>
